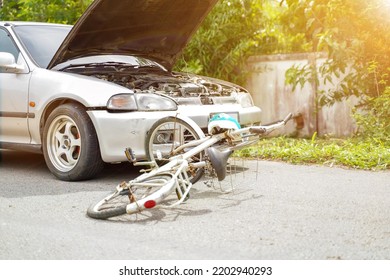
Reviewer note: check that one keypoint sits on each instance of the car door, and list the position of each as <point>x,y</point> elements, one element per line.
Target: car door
<point>13,96</point>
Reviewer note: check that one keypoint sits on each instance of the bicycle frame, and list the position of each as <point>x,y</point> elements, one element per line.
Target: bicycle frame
<point>204,143</point>
<point>179,164</point>
<point>153,187</point>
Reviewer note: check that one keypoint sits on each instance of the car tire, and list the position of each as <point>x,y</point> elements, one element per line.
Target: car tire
<point>70,144</point>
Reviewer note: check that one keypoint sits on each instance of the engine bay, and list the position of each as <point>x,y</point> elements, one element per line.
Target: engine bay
<point>156,80</point>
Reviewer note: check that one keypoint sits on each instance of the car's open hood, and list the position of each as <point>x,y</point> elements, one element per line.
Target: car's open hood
<point>155,29</point>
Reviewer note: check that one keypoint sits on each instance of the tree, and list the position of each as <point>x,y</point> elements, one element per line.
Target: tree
<point>223,41</point>
<point>354,34</point>
<point>57,11</point>
<point>234,30</point>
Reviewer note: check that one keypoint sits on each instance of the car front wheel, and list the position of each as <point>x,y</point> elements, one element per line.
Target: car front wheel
<point>70,144</point>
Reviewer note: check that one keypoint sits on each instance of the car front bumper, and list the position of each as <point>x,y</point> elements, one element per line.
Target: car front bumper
<point>118,131</point>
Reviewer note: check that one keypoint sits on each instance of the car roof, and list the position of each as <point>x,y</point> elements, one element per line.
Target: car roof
<point>26,23</point>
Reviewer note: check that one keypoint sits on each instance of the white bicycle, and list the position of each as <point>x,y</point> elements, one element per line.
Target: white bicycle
<point>178,154</point>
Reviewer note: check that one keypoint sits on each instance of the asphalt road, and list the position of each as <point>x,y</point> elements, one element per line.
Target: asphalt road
<point>277,211</point>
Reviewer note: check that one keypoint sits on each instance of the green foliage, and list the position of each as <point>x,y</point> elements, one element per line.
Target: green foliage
<point>224,40</point>
<point>233,31</point>
<point>57,11</point>
<point>375,120</point>
<point>354,34</point>
<point>354,153</point>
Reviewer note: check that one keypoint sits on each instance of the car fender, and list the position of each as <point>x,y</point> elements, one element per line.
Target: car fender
<point>52,87</point>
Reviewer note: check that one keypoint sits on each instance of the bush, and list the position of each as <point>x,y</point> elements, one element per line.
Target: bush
<point>374,120</point>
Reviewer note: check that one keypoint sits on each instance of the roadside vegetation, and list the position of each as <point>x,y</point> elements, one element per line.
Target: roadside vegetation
<point>353,33</point>
<point>354,153</point>
<point>369,149</point>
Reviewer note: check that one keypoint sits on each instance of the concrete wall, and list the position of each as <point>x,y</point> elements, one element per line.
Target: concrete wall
<point>276,99</point>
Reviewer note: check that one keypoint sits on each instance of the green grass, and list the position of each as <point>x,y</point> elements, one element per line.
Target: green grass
<point>353,153</point>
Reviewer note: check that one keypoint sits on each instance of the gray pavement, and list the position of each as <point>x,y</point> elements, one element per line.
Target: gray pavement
<point>281,211</point>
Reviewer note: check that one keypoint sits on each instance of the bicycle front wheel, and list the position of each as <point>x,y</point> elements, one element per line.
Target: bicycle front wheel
<point>134,198</point>
<point>165,136</point>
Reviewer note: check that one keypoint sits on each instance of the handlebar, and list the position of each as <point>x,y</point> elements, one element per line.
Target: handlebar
<point>287,118</point>
<point>258,130</point>
<point>268,128</point>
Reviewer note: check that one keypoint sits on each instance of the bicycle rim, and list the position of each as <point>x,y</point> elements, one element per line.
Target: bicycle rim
<point>165,136</point>
<point>131,200</point>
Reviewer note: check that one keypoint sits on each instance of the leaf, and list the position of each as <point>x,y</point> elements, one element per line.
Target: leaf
<point>309,23</point>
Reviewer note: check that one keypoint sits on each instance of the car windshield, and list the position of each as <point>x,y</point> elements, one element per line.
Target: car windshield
<point>120,62</point>
<point>42,41</point>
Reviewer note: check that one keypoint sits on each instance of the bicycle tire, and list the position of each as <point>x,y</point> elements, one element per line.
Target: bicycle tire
<point>160,135</point>
<point>118,203</point>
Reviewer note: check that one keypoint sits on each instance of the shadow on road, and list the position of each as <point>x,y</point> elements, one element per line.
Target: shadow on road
<point>26,174</point>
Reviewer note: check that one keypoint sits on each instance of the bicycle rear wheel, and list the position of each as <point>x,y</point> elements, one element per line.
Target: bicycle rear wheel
<point>135,198</point>
<point>165,136</point>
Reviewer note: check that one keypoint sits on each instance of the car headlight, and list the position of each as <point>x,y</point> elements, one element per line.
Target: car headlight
<point>245,100</point>
<point>141,102</point>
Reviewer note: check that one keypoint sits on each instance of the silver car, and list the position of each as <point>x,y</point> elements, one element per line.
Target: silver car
<point>81,95</point>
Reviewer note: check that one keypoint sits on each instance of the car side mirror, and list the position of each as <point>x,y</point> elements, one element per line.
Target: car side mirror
<point>8,63</point>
